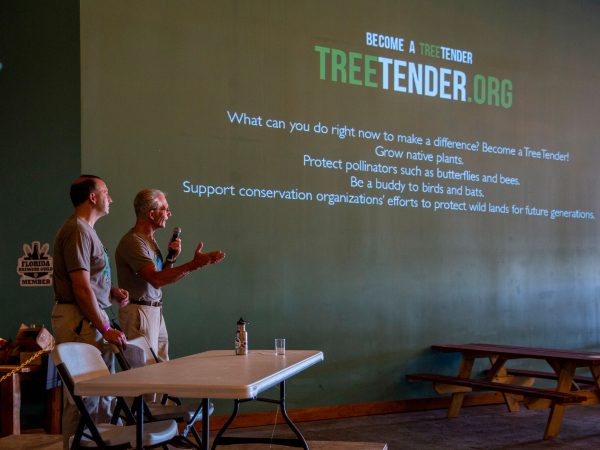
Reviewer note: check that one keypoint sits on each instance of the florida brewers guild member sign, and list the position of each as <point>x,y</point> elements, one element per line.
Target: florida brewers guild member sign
<point>35,266</point>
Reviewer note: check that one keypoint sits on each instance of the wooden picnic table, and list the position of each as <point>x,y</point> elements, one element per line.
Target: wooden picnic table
<point>516,385</point>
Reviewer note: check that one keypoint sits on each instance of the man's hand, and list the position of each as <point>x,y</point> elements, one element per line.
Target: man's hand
<point>121,296</point>
<point>115,337</point>
<point>176,247</point>
<point>204,259</point>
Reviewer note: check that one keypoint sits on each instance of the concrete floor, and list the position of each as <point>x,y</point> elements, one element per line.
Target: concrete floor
<point>483,427</point>
<point>51,442</point>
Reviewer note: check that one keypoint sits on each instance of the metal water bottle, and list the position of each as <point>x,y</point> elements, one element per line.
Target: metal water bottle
<point>241,338</point>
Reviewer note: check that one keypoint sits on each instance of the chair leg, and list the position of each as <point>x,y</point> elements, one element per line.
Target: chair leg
<point>78,435</point>
<point>180,441</point>
<point>197,437</point>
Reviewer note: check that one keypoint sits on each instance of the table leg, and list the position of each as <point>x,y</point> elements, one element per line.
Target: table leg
<point>455,404</point>
<point>284,413</point>
<point>498,370</point>
<point>557,411</point>
<point>595,370</point>
<point>299,441</point>
<point>511,401</point>
<point>205,423</point>
<point>466,366</point>
<point>139,416</point>
<point>236,408</point>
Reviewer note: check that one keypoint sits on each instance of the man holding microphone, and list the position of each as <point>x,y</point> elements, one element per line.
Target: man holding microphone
<point>142,270</point>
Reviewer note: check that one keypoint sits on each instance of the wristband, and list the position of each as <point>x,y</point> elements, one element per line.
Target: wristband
<point>104,328</point>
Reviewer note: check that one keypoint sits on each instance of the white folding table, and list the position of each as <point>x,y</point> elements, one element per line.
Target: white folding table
<point>216,374</point>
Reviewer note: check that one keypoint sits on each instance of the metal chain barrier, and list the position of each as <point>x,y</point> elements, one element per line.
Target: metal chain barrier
<point>20,367</point>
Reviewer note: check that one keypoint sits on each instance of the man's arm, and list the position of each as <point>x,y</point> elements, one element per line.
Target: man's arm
<point>171,274</point>
<point>86,299</point>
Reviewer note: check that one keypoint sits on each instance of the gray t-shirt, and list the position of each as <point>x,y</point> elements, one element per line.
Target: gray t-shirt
<point>134,252</point>
<point>77,247</point>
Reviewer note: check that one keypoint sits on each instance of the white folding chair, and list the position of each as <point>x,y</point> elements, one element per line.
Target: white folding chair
<point>76,362</point>
<point>139,353</point>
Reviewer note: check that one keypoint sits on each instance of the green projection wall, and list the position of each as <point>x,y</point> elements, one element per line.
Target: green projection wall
<point>39,141</point>
<point>382,175</point>
<point>373,198</point>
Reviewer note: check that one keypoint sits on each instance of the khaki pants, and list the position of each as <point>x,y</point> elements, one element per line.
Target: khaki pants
<point>69,325</point>
<point>147,321</point>
<point>141,320</point>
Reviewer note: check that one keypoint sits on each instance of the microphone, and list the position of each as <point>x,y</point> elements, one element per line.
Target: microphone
<point>171,253</point>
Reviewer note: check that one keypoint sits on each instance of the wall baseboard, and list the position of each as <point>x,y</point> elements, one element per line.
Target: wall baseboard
<point>354,410</point>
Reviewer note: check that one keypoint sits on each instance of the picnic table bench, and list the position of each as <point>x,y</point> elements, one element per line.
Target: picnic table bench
<point>517,385</point>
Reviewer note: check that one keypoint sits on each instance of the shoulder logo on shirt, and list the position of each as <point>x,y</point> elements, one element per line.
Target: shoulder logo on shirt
<point>35,266</point>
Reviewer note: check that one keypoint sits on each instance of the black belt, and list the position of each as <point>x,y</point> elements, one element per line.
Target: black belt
<point>146,303</point>
<point>66,302</point>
